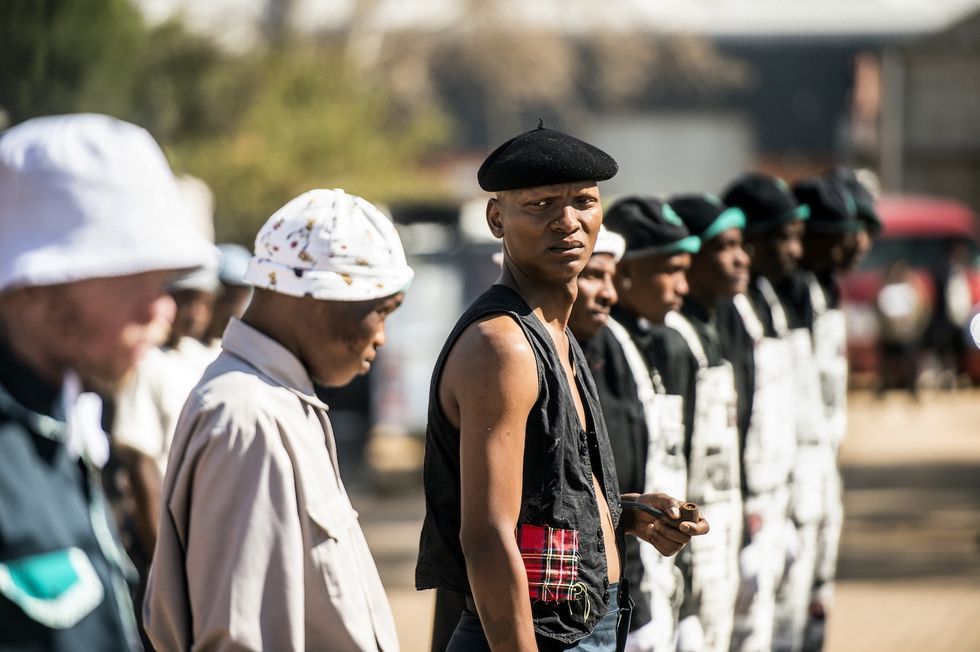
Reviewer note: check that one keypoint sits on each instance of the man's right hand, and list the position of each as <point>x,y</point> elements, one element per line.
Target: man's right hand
<point>667,536</point>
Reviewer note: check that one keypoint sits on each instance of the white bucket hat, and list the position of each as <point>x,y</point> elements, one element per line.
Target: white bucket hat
<point>332,246</point>
<point>88,196</point>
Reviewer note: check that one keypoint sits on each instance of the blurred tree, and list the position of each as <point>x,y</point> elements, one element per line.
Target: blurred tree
<point>259,128</point>
<point>59,56</point>
<point>309,124</point>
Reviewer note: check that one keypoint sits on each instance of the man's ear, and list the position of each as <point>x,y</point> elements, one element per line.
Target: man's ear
<point>623,280</point>
<point>493,218</point>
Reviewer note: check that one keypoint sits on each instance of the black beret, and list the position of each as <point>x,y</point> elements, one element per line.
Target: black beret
<point>766,201</point>
<point>832,209</point>
<point>650,227</point>
<point>706,216</point>
<point>542,157</point>
<point>863,199</point>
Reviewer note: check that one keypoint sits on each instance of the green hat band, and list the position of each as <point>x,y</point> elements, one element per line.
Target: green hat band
<point>730,218</point>
<point>690,244</point>
<point>801,213</point>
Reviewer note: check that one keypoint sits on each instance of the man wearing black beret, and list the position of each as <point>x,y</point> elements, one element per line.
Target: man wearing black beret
<point>651,282</point>
<point>834,223</point>
<point>774,233</point>
<point>523,512</point>
<point>869,222</point>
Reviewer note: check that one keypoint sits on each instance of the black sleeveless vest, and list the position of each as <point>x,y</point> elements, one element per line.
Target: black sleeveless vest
<point>559,461</point>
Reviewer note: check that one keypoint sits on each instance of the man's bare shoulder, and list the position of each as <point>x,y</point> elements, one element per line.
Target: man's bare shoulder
<point>491,368</point>
<point>492,346</point>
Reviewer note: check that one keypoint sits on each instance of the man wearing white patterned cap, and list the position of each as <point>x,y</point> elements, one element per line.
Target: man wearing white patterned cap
<point>91,233</point>
<point>259,547</point>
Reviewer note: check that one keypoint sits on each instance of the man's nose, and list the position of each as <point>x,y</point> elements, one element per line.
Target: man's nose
<point>795,249</point>
<point>742,259</point>
<point>568,221</point>
<point>681,288</point>
<point>608,294</point>
<point>161,309</point>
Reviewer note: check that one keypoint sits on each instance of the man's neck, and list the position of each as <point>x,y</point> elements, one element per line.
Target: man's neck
<point>701,302</point>
<point>25,340</point>
<point>552,302</point>
<point>19,375</point>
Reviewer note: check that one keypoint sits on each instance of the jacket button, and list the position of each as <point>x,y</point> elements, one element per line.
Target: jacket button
<point>605,584</point>
<point>602,545</point>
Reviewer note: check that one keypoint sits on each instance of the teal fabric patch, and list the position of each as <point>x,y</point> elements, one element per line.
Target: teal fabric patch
<point>43,576</point>
<point>56,589</point>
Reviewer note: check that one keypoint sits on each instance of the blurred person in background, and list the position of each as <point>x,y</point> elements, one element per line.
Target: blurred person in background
<point>869,225</point>
<point>951,314</point>
<point>763,364</point>
<point>254,450</point>
<point>91,233</point>
<point>516,442</point>
<point>774,240</point>
<point>720,273</point>
<point>903,317</point>
<point>233,295</point>
<point>651,282</point>
<point>816,298</point>
<point>696,370</point>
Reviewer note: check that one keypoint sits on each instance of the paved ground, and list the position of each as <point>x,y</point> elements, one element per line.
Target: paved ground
<point>910,562</point>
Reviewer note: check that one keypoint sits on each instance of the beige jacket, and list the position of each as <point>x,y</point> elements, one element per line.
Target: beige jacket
<point>259,547</point>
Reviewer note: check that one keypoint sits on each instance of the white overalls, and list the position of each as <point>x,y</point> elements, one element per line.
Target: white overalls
<point>807,488</point>
<point>666,472</point>
<point>768,456</point>
<point>714,483</point>
<point>830,350</point>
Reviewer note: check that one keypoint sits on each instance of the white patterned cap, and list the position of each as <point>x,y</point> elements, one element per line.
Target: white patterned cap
<point>329,245</point>
<point>87,196</point>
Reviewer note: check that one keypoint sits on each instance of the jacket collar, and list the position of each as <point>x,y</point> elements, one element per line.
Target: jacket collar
<point>271,359</point>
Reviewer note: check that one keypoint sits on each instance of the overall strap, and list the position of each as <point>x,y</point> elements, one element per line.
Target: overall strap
<point>779,321</point>
<point>647,381</point>
<point>753,325</point>
<point>680,324</point>
<point>818,300</point>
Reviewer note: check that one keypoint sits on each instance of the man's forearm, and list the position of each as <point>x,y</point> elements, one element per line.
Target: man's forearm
<point>499,585</point>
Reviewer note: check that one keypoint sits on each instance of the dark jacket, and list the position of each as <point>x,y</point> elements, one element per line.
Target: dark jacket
<point>54,531</point>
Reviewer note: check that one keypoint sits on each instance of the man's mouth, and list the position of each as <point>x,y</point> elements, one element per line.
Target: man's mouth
<point>566,246</point>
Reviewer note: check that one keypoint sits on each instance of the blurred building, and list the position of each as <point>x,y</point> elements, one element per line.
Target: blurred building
<point>930,140</point>
<point>681,92</point>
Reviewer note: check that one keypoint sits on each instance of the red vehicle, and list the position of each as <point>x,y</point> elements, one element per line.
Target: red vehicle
<point>923,232</point>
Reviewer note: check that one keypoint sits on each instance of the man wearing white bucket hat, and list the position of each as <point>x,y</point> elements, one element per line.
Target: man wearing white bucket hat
<point>259,547</point>
<point>91,233</point>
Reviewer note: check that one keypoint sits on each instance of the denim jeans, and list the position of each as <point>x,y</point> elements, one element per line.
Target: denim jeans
<point>469,636</point>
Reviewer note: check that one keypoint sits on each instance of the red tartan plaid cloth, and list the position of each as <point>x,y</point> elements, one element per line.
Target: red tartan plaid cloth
<point>551,560</point>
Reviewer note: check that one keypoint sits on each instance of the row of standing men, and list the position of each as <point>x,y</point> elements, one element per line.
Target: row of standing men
<point>714,333</point>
